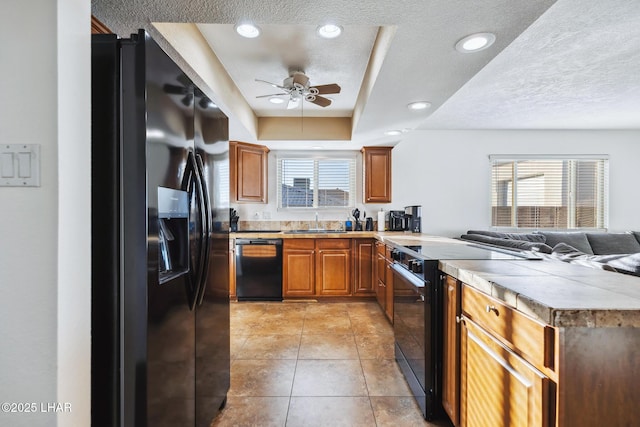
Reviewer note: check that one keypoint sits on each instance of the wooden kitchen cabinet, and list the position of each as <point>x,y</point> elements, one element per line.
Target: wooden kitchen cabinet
<point>333,267</point>
<point>232,269</point>
<point>451,347</point>
<point>248,172</point>
<point>377,174</point>
<point>364,267</point>
<point>298,273</point>
<point>504,360</point>
<point>384,279</point>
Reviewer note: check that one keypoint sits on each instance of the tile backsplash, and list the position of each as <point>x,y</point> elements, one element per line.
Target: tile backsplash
<point>293,225</point>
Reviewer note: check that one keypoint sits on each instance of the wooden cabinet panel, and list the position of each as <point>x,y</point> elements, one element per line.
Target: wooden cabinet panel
<point>248,172</point>
<point>364,267</point>
<point>451,348</point>
<point>380,275</point>
<point>232,269</point>
<point>333,271</point>
<point>499,388</point>
<point>377,174</point>
<point>298,275</point>
<point>388,284</point>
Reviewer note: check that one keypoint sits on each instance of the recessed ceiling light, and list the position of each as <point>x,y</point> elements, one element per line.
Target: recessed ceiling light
<point>475,42</point>
<point>247,30</point>
<point>393,132</point>
<point>276,100</point>
<point>419,105</point>
<point>329,31</point>
<point>317,147</point>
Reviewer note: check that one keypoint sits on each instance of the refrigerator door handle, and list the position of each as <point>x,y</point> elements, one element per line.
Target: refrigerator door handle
<point>196,276</point>
<point>208,215</point>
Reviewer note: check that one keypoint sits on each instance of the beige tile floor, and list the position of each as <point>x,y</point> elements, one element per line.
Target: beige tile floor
<point>315,364</point>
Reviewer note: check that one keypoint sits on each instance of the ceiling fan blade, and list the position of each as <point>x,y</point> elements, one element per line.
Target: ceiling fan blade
<point>273,94</point>
<point>174,90</point>
<point>269,83</point>
<point>321,101</point>
<point>327,89</point>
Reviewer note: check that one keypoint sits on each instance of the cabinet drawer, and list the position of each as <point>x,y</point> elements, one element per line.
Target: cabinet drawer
<point>333,243</point>
<point>526,336</point>
<point>380,247</point>
<point>299,244</point>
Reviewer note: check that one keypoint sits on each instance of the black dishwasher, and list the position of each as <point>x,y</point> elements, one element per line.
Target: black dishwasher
<point>259,269</point>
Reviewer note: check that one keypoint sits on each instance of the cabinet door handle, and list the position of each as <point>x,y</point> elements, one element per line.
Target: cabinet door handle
<point>458,319</point>
<point>491,308</point>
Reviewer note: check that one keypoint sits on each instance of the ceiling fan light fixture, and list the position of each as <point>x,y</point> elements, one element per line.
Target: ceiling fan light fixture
<point>475,42</point>
<point>419,105</point>
<point>276,100</point>
<point>329,31</point>
<point>248,30</point>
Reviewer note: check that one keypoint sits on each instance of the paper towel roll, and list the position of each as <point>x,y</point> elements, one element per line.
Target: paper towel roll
<point>381,220</point>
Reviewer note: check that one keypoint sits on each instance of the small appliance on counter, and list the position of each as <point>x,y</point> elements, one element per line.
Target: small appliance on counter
<point>233,215</point>
<point>413,218</point>
<point>368,224</point>
<point>397,221</point>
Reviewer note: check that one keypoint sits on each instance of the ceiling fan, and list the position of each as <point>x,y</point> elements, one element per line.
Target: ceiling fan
<point>297,87</point>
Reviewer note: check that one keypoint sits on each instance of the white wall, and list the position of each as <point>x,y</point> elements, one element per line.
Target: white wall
<point>44,243</point>
<point>448,173</point>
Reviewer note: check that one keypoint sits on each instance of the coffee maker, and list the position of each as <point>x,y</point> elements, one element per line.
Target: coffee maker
<point>397,221</point>
<point>413,217</point>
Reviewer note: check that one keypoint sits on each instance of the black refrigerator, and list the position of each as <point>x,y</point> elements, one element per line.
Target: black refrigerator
<point>160,241</point>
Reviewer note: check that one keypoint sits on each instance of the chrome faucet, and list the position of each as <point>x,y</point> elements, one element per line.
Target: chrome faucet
<point>317,222</point>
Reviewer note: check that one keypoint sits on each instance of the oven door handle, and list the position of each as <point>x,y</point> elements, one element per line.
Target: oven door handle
<point>415,281</point>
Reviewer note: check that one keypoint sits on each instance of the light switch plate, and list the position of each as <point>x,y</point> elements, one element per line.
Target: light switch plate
<point>20,165</point>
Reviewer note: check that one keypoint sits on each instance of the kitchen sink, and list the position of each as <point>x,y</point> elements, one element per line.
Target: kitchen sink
<point>314,231</point>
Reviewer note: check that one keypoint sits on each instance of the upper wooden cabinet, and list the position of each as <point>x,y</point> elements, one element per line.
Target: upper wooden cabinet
<point>377,174</point>
<point>248,172</point>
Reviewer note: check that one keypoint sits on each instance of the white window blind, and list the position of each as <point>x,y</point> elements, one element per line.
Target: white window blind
<point>553,192</point>
<point>316,182</point>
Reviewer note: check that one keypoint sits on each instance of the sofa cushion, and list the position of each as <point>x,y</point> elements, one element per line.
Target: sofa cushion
<point>508,243</point>
<point>613,243</point>
<point>628,264</point>
<point>624,263</point>
<point>576,239</point>
<point>527,237</point>
<point>568,253</point>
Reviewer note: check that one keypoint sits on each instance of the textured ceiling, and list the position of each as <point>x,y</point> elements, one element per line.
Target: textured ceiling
<point>281,47</point>
<point>575,67</point>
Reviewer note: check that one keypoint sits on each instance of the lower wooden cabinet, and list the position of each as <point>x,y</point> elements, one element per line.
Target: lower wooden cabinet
<point>333,267</point>
<point>299,267</point>
<point>316,267</point>
<point>499,388</point>
<point>384,279</point>
<point>451,348</point>
<point>232,269</point>
<point>364,281</point>
<point>506,358</point>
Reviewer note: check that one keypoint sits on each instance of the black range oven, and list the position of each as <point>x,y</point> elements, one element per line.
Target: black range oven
<point>417,326</point>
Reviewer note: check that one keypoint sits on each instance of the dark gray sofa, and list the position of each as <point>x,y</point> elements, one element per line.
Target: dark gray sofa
<point>609,251</point>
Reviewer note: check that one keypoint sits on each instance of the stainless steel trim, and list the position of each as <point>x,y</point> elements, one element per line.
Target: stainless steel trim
<point>411,278</point>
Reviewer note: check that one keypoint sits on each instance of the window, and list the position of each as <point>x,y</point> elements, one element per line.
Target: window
<point>316,182</point>
<point>549,192</point>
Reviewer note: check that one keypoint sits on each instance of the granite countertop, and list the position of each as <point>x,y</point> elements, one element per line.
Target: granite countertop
<point>553,292</point>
